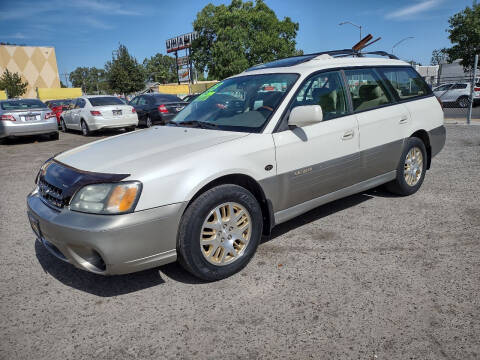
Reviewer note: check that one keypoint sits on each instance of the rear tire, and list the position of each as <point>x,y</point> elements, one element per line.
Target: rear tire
<point>219,232</point>
<point>85,130</point>
<point>148,122</point>
<point>55,136</point>
<point>411,168</point>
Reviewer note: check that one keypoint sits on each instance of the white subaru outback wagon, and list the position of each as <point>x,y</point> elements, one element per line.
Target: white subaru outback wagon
<point>253,151</point>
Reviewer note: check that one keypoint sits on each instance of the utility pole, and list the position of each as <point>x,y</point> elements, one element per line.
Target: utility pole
<point>176,63</point>
<point>472,86</point>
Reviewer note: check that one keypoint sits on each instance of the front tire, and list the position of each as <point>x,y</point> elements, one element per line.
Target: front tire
<point>411,168</point>
<point>63,126</point>
<point>219,232</point>
<point>463,102</point>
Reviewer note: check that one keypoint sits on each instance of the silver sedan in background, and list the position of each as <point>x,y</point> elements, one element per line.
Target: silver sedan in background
<point>22,117</point>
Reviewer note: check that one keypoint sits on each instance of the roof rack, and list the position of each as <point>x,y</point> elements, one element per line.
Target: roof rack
<point>354,51</point>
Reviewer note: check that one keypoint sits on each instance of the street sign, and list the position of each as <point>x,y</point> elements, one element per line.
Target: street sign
<point>181,42</point>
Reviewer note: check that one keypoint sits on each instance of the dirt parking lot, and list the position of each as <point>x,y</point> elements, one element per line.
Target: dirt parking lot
<point>371,276</point>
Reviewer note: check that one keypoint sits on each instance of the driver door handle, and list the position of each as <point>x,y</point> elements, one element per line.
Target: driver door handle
<point>403,119</point>
<point>348,135</point>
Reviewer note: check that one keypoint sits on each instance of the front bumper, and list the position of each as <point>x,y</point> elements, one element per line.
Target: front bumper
<point>107,244</point>
<point>16,128</point>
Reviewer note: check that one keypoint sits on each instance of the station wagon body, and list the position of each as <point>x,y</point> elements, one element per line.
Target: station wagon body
<point>291,135</point>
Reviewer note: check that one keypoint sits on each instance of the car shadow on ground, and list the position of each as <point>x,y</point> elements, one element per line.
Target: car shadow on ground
<point>21,140</point>
<point>107,286</point>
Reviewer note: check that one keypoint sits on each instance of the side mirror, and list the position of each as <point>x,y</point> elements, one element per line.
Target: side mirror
<point>305,115</point>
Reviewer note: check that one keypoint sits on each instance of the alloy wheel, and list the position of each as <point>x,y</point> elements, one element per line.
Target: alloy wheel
<point>225,233</point>
<point>413,166</point>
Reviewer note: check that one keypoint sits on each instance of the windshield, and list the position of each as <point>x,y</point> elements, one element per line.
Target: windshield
<point>22,104</point>
<point>105,100</point>
<point>238,104</point>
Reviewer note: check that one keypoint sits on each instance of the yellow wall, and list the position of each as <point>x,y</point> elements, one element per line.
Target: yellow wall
<point>3,95</point>
<point>184,89</point>
<point>60,93</point>
<point>37,65</point>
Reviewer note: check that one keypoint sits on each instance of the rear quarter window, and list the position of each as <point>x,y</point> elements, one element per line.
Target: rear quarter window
<point>406,82</point>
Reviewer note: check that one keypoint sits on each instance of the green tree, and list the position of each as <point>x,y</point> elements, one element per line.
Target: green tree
<point>438,56</point>
<point>123,73</point>
<point>91,80</point>
<point>62,85</point>
<point>13,84</point>
<point>160,68</point>
<point>242,34</point>
<point>465,36</point>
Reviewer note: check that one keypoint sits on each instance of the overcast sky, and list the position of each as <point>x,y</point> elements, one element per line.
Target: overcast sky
<point>84,32</point>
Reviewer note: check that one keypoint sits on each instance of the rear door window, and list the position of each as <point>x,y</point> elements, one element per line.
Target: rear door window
<point>406,82</point>
<point>367,90</point>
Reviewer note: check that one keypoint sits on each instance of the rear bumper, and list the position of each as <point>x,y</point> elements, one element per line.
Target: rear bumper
<point>107,244</point>
<point>437,139</point>
<point>13,128</point>
<point>98,123</point>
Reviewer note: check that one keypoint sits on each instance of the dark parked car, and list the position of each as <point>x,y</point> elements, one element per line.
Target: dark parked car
<point>156,108</point>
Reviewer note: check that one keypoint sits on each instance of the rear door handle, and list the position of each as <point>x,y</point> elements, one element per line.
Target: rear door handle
<point>403,119</point>
<point>348,135</point>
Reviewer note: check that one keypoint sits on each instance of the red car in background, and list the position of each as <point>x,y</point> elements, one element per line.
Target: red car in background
<point>57,106</point>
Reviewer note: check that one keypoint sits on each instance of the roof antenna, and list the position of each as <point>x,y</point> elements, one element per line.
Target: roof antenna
<point>362,44</point>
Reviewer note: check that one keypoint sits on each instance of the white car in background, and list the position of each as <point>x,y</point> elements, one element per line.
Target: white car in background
<point>458,93</point>
<point>95,112</point>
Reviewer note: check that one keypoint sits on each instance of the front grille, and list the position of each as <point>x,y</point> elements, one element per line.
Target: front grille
<point>52,194</point>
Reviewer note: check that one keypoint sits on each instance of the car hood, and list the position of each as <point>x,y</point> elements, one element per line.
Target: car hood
<point>136,152</point>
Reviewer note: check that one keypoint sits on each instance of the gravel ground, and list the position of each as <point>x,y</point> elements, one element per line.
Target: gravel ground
<point>371,276</point>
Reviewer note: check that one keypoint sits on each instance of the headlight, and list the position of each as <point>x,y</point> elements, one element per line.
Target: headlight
<point>117,198</point>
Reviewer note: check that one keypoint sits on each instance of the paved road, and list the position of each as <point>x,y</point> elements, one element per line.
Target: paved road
<point>369,275</point>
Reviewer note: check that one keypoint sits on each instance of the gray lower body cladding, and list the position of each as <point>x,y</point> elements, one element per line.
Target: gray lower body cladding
<point>296,187</point>
<point>124,243</point>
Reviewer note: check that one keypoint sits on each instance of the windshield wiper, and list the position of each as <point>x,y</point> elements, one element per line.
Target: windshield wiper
<point>199,124</point>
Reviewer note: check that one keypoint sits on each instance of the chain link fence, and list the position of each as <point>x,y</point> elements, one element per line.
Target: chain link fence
<point>460,95</point>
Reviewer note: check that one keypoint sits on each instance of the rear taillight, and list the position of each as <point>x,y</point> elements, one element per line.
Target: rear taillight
<point>133,110</point>
<point>163,109</point>
<point>476,89</point>
<point>96,113</point>
<point>49,115</point>
<point>7,118</point>
<point>439,101</point>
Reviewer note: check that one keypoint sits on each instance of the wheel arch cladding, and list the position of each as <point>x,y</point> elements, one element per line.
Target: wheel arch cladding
<point>251,185</point>
<point>423,135</point>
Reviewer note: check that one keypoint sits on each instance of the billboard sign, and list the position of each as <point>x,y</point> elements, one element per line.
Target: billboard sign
<point>182,61</point>
<point>181,42</point>
<point>183,75</point>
